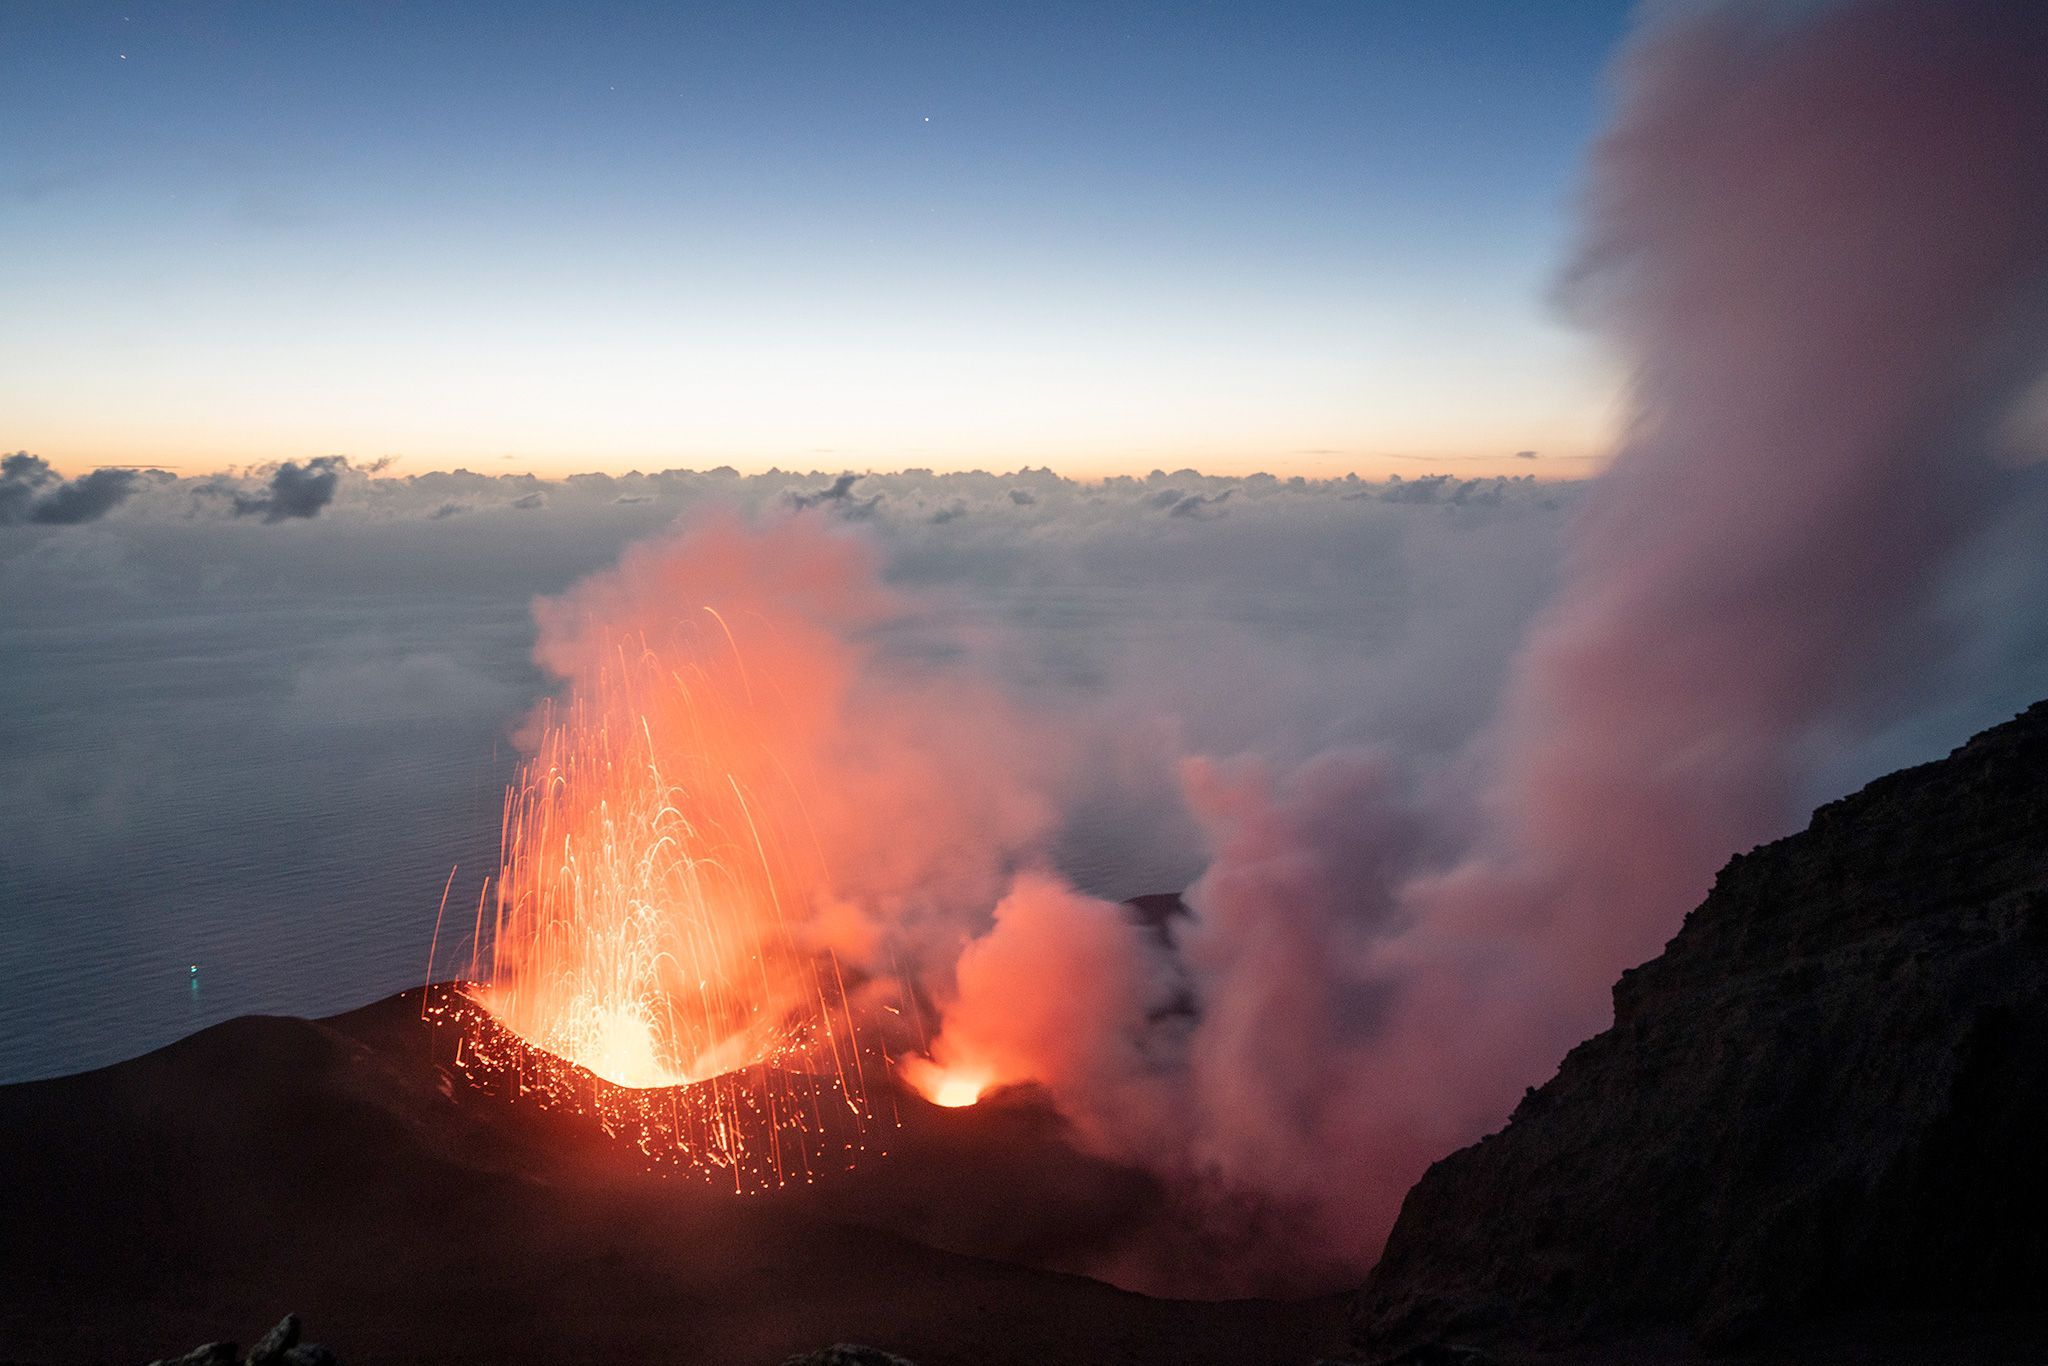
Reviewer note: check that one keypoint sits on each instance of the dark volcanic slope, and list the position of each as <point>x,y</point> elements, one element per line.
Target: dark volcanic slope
<point>338,1168</point>
<point>1826,1099</point>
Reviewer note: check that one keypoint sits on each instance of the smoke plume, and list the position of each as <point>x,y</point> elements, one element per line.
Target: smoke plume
<point>1819,241</point>
<point>855,729</point>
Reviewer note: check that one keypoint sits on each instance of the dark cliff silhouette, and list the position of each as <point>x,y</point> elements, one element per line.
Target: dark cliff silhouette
<point>1820,1112</point>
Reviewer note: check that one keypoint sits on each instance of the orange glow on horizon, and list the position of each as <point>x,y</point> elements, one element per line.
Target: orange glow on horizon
<point>71,461</point>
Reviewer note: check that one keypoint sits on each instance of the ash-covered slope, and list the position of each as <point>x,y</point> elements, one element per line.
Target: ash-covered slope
<point>1825,1102</point>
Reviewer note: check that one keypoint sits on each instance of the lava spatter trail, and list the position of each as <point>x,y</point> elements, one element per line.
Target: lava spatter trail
<point>648,960</point>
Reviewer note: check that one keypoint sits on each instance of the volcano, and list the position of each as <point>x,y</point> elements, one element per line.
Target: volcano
<point>349,1170</point>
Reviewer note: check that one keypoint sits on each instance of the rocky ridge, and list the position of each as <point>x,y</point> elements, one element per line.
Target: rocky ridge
<point>278,1347</point>
<point>1822,1104</point>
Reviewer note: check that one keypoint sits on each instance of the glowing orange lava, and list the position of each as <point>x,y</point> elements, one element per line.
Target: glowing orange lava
<point>955,1092</point>
<point>652,894</point>
<point>953,1088</point>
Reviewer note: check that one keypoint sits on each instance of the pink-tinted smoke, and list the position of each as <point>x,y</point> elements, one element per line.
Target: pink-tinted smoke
<point>1817,236</point>
<point>905,786</point>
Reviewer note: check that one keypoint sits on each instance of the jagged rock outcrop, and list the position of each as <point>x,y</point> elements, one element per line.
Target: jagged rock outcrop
<point>847,1354</point>
<point>278,1347</point>
<point>1828,1098</point>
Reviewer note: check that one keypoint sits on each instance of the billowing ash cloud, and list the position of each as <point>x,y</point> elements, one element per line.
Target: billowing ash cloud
<point>30,491</point>
<point>295,490</point>
<point>1820,239</point>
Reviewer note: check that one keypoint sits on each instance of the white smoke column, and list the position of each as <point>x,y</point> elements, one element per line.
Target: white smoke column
<point>1818,236</point>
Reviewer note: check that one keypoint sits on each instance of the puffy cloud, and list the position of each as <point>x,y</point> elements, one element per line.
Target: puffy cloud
<point>839,497</point>
<point>30,491</point>
<point>294,490</point>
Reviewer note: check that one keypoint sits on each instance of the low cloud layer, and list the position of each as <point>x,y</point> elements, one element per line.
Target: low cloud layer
<point>334,486</point>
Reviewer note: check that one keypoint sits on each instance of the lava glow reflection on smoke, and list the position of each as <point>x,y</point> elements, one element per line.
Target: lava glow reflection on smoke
<point>651,898</point>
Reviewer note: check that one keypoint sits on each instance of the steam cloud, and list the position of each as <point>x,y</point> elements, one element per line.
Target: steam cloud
<point>1821,241</point>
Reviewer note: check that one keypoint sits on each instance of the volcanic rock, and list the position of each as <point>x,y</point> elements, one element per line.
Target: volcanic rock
<point>1438,1354</point>
<point>1821,1107</point>
<point>212,1354</point>
<point>271,1347</point>
<point>278,1347</point>
<point>847,1354</point>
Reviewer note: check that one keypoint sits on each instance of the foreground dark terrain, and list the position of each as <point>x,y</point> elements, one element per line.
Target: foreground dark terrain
<point>1813,1134</point>
<point>342,1170</point>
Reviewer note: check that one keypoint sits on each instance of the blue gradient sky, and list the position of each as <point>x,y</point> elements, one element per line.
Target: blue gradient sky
<point>1305,238</point>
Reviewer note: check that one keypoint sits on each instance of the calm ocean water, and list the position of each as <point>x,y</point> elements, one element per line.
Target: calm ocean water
<point>200,788</point>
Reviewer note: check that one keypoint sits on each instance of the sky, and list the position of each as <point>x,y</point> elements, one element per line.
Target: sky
<point>1301,238</point>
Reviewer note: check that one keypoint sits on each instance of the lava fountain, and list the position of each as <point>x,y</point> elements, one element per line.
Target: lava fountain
<point>652,899</point>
